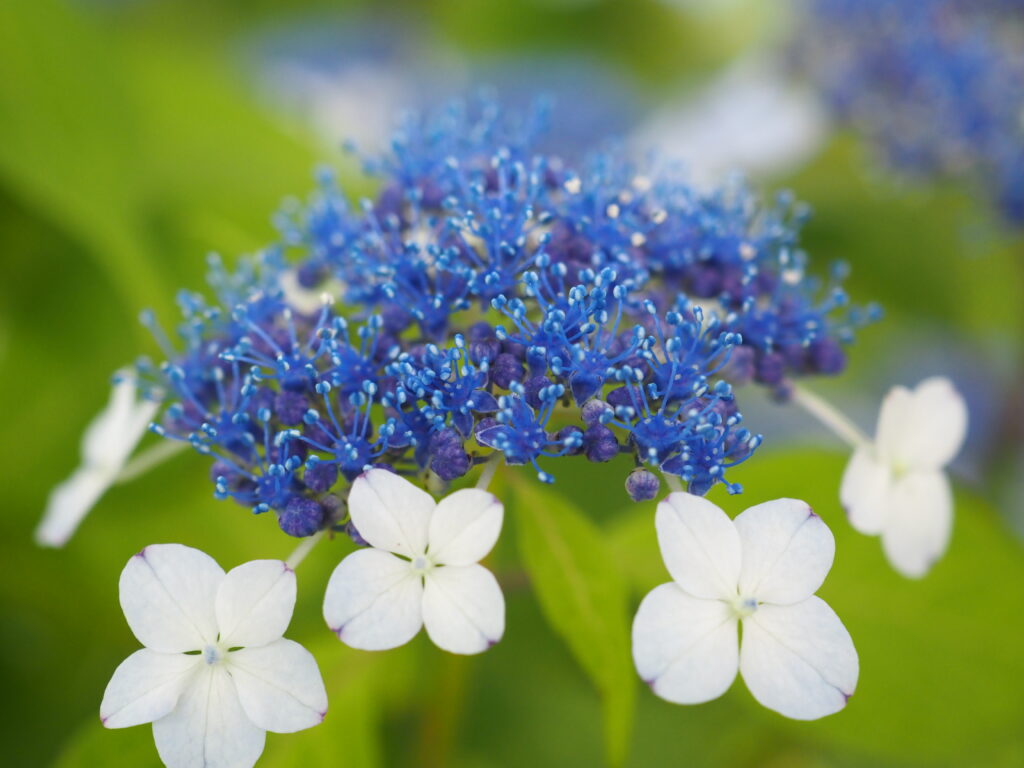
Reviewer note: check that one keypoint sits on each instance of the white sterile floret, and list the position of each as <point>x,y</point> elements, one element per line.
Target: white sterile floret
<point>106,445</point>
<point>895,487</point>
<point>422,568</point>
<point>307,301</point>
<point>215,673</point>
<point>761,569</point>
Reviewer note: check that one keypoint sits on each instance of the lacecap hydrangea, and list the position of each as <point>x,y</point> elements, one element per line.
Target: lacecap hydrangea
<point>495,301</point>
<point>937,85</point>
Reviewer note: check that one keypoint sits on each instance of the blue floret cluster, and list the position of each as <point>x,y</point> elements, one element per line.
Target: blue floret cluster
<point>494,302</point>
<point>938,85</point>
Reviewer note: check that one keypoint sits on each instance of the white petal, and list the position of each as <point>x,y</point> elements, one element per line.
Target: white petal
<point>209,728</point>
<point>684,647</point>
<point>787,551</point>
<point>864,492</point>
<point>893,419</point>
<point>920,522</point>
<point>798,659</point>
<point>111,436</point>
<point>464,527</point>
<point>700,545</point>
<point>299,297</point>
<point>390,512</point>
<point>374,600</point>
<point>925,428</point>
<point>255,603</point>
<point>167,595</point>
<point>463,608</point>
<point>280,686</point>
<point>69,503</point>
<point>145,687</point>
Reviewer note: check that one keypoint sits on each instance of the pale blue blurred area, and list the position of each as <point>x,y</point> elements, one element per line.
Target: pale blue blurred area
<point>349,77</point>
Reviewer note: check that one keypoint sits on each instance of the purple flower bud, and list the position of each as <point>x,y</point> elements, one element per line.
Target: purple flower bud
<point>311,274</point>
<point>770,368</point>
<point>483,344</point>
<point>741,366</point>
<point>593,410</point>
<point>571,431</point>
<point>321,477</point>
<point>395,318</point>
<point>600,444</point>
<point>620,396</point>
<point>485,423</point>
<point>642,485</point>
<point>827,356</point>
<point>533,388</point>
<point>448,458</point>
<point>331,502</point>
<point>300,517</point>
<point>517,350</point>
<point>290,407</point>
<point>505,369</point>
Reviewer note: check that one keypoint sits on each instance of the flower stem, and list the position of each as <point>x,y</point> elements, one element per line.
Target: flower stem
<point>490,467</point>
<point>300,552</point>
<point>149,458</point>
<point>674,483</point>
<point>829,416</point>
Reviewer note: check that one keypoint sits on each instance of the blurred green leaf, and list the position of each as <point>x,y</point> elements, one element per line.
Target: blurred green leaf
<point>95,745</point>
<point>583,597</point>
<point>67,141</point>
<point>922,250</point>
<point>930,650</point>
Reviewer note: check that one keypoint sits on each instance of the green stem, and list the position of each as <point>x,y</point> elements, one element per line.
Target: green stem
<point>149,458</point>
<point>300,552</point>
<point>830,416</point>
<point>490,467</point>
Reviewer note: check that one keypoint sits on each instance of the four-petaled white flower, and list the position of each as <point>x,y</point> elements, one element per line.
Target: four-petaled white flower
<point>215,673</point>
<point>896,487</point>
<point>421,568</point>
<point>763,569</point>
<point>106,445</point>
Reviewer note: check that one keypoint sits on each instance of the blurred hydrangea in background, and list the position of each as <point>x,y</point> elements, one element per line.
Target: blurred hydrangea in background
<point>936,85</point>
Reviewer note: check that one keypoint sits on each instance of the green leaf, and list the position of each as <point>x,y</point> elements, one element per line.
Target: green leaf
<point>941,666</point>
<point>95,745</point>
<point>67,137</point>
<point>583,598</point>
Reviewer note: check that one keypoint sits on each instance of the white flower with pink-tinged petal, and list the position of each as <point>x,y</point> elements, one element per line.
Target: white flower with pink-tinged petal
<point>215,673</point>
<point>762,570</point>
<point>895,487</point>
<point>421,568</point>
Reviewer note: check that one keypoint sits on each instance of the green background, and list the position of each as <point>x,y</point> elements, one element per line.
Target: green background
<point>131,144</point>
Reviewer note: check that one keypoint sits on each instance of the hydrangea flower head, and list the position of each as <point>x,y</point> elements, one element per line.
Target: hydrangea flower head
<point>215,673</point>
<point>938,85</point>
<point>493,299</point>
<point>762,570</point>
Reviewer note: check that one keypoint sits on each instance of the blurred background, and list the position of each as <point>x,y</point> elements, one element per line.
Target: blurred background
<point>136,136</point>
